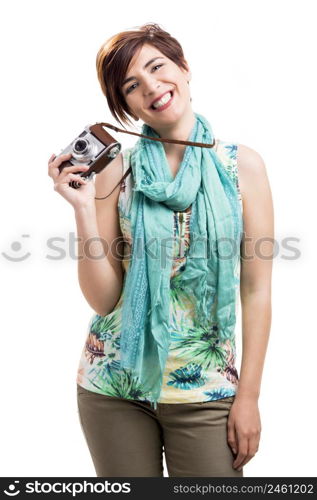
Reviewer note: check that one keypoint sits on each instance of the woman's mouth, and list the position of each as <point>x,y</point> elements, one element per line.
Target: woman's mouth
<point>164,102</point>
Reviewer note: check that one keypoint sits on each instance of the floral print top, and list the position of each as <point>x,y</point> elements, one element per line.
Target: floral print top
<point>199,368</point>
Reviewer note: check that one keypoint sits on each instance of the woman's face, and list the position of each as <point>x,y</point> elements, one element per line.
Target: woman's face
<point>150,82</point>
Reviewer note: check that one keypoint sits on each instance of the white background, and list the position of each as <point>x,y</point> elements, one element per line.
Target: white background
<point>253,66</point>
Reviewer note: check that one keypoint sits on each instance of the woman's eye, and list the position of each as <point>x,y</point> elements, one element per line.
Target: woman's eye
<point>132,86</point>
<point>157,66</point>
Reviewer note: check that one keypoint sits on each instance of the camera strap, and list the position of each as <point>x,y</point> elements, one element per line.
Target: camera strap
<point>172,141</point>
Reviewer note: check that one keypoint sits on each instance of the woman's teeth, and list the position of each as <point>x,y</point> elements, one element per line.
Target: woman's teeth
<point>162,101</point>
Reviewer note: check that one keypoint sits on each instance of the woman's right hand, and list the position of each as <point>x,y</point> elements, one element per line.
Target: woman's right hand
<point>81,197</point>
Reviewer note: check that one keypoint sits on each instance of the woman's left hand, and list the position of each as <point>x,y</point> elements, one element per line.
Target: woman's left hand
<point>244,429</point>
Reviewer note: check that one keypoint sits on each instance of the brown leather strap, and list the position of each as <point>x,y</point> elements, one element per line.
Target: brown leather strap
<point>172,141</point>
<point>101,134</point>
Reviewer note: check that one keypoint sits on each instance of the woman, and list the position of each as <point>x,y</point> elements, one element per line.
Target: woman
<point>157,370</point>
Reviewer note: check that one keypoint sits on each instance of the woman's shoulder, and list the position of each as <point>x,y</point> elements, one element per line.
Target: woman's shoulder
<point>247,157</point>
<point>251,167</point>
<point>242,153</point>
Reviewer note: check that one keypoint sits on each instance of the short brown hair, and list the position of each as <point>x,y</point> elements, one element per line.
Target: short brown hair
<point>115,55</point>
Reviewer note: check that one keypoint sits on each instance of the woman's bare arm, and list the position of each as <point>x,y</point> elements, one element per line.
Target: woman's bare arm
<point>257,249</point>
<point>244,422</point>
<point>100,270</point>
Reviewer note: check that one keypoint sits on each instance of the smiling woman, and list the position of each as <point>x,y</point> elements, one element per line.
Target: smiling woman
<point>115,56</point>
<point>157,369</point>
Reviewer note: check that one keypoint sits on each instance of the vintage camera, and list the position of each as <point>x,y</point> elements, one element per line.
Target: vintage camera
<point>93,147</point>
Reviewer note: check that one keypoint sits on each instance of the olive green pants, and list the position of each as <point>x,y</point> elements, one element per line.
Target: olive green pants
<point>126,438</point>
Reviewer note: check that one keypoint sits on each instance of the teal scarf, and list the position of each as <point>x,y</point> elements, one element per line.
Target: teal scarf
<point>215,236</point>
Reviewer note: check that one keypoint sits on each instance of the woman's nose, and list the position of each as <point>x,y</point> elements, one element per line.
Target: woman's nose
<point>150,85</point>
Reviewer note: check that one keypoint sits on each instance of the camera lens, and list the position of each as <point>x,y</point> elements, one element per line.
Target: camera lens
<point>80,146</point>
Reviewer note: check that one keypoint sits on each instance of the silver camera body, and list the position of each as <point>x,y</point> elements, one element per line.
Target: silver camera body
<point>93,147</point>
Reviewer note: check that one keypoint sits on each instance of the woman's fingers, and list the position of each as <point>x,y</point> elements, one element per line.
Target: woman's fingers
<point>74,168</point>
<point>231,437</point>
<point>253,446</point>
<point>54,171</point>
<point>51,158</point>
<point>58,160</point>
<point>68,178</point>
<point>53,164</point>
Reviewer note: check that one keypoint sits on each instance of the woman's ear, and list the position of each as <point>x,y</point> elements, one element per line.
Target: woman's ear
<point>187,72</point>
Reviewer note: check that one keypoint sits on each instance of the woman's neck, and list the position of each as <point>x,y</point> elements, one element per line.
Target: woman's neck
<point>181,131</point>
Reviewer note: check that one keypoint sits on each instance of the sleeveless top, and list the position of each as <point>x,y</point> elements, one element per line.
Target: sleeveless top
<point>199,368</point>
